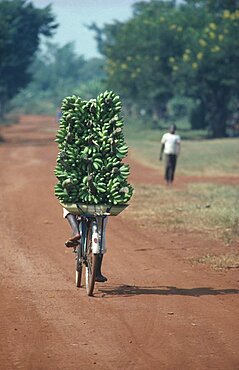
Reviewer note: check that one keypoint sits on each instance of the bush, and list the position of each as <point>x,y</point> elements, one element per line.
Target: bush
<point>179,107</point>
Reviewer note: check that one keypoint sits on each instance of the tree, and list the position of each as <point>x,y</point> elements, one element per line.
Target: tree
<point>137,55</point>
<point>57,72</point>
<point>21,25</point>
<point>208,66</point>
<point>168,49</point>
<point>214,5</point>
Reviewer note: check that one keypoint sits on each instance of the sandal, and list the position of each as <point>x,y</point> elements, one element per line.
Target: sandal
<point>70,243</point>
<point>73,242</point>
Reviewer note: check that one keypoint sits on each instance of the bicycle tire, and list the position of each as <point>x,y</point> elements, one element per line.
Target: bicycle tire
<point>79,268</point>
<point>78,278</point>
<point>90,272</point>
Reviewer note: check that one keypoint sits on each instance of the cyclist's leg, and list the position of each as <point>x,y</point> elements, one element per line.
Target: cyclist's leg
<point>99,276</point>
<point>91,255</point>
<point>72,219</point>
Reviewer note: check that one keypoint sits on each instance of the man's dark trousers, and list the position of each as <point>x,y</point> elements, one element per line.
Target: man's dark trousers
<point>170,165</point>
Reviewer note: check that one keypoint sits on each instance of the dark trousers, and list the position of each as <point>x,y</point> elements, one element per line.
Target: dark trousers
<point>170,165</point>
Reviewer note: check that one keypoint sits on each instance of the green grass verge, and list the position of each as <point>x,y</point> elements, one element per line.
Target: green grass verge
<point>198,157</point>
<point>221,262</point>
<point>205,208</point>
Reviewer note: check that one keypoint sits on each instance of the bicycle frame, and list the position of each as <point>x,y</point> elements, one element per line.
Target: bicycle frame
<point>92,225</point>
<point>97,224</point>
<point>92,230</point>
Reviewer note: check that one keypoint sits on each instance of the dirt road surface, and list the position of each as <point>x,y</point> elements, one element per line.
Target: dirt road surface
<point>156,311</point>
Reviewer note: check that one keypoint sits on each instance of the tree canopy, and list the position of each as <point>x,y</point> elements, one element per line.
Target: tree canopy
<point>208,66</point>
<point>169,51</point>
<point>21,26</point>
<point>169,48</point>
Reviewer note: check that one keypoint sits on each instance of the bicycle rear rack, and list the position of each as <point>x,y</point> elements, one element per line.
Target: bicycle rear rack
<point>94,210</point>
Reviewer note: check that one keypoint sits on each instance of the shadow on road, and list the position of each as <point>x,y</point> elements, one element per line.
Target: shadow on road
<point>130,290</point>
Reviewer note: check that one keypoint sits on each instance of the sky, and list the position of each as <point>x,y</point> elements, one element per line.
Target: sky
<point>74,15</point>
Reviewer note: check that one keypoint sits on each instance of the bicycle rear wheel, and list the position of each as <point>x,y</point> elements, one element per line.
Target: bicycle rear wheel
<point>90,272</point>
<point>79,267</point>
<point>90,262</point>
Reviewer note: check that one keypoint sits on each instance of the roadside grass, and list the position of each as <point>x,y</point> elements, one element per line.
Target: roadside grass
<point>207,209</point>
<point>221,262</point>
<point>142,130</point>
<point>8,120</point>
<point>197,158</point>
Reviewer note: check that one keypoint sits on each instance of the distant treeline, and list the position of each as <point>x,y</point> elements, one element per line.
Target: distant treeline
<point>168,61</point>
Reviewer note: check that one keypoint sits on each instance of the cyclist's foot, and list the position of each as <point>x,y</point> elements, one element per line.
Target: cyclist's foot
<point>73,241</point>
<point>71,244</point>
<point>101,278</point>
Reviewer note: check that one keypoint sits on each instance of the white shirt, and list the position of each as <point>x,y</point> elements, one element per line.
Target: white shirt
<point>171,143</point>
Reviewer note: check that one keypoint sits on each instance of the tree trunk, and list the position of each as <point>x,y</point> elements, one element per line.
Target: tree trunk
<point>218,114</point>
<point>218,123</point>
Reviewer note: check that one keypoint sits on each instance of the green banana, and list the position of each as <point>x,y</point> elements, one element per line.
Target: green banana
<point>89,165</point>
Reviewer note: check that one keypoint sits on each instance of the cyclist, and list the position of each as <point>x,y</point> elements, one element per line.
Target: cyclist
<point>74,240</point>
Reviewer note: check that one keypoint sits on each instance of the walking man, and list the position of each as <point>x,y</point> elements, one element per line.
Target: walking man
<point>170,147</point>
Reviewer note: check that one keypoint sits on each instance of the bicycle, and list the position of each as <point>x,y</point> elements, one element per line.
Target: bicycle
<point>92,225</point>
<point>92,231</point>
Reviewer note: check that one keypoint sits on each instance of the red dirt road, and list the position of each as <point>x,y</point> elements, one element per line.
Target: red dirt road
<point>156,312</point>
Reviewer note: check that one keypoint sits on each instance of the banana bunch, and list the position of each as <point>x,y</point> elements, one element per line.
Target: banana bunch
<point>91,144</point>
